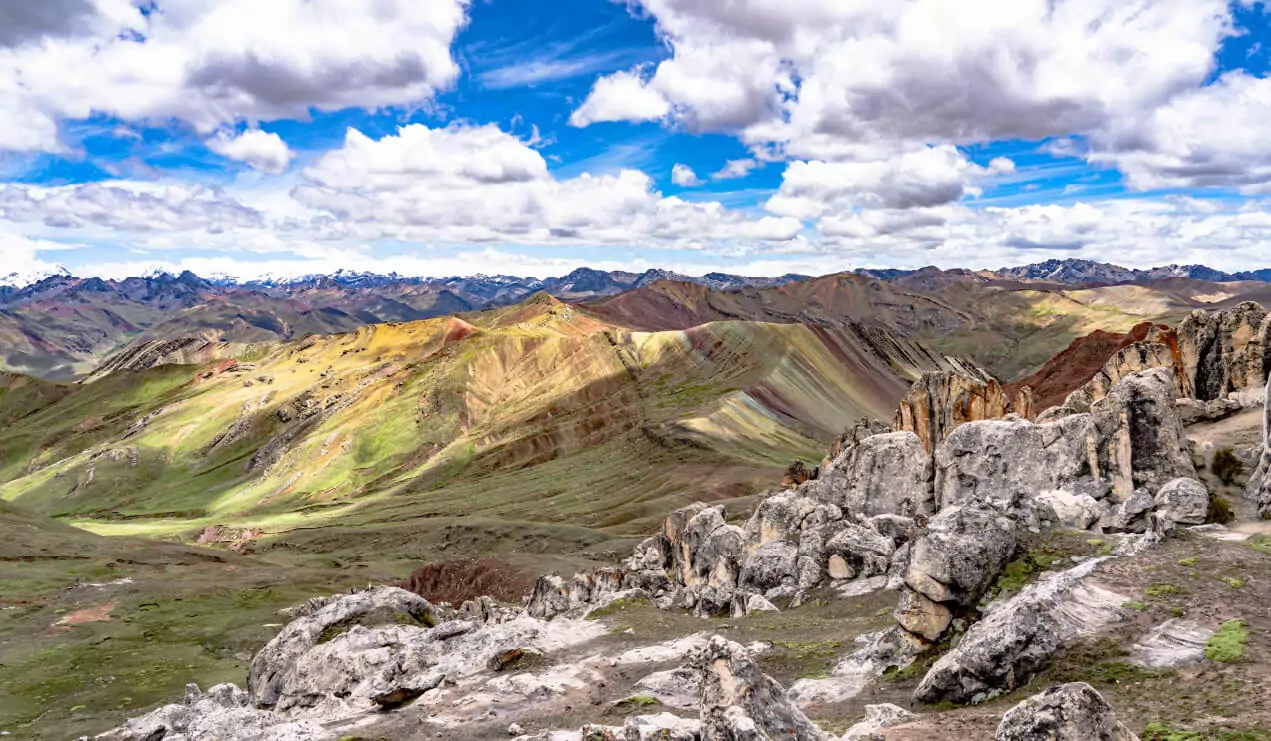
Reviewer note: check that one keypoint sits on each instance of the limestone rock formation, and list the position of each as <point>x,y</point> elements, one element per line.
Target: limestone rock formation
<point>940,401</point>
<point>738,702</point>
<point>863,428</point>
<point>1069,712</point>
<point>1018,637</point>
<point>1005,463</point>
<point>278,662</point>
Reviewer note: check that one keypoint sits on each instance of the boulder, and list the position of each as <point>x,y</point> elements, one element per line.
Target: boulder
<point>1018,637</point>
<point>661,727</point>
<point>224,712</point>
<point>1080,511</point>
<point>1132,515</point>
<point>877,717</point>
<point>548,598</point>
<point>862,550</point>
<point>1139,436</point>
<point>1185,500</point>
<point>740,703</point>
<point>960,555</point>
<point>882,474</point>
<point>1069,712</point>
<point>769,566</point>
<point>780,517</point>
<point>817,528</point>
<point>921,616</point>
<point>1139,356</point>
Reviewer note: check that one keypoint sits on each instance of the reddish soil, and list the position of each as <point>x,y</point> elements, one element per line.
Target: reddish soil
<point>1070,369</point>
<point>95,614</point>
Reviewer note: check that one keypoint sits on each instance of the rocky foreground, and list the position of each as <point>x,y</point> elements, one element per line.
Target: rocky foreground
<point>931,519</point>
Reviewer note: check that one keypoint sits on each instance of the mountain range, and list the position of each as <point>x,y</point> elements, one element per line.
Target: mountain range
<point>62,328</point>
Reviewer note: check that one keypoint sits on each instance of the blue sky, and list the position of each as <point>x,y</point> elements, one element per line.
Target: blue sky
<point>761,137</point>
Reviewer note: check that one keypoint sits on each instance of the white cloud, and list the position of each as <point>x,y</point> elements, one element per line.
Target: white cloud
<point>622,96</point>
<point>734,169</point>
<point>213,64</point>
<point>1217,135</point>
<point>833,80</point>
<point>478,183</point>
<point>264,151</point>
<point>923,178</point>
<point>684,176</point>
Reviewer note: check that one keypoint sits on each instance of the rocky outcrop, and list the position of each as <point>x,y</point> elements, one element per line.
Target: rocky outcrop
<point>1140,439</point>
<point>940,401</point>
<point>224,712</point>
<point>1224,352</point>
<point>1019,636</point>
<point>1172,644</point>
<point>882,474</point>
<point>1005,463</point>
<point>1156,351</point>
<point>1215,357</point>
<point>738,702</point>
<point>1069,712</point>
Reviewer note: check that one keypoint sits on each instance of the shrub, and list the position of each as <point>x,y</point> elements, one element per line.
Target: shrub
<point>1226,466</point>
<point>459,580</point>
<point>1219,510</point>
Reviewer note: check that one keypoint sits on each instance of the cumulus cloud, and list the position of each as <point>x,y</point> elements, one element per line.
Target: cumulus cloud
<point>263,150</point>
<point>477,183</point>
<point>212,64</point>
<point>1212,136</point>
<point>684,176</point>
<point>622,96</point>
<point>871,79</point>
<point>927,177</point>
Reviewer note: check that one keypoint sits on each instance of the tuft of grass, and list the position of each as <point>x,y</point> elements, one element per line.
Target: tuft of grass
<point>1187,561</point>
<point>1219,511</point>
<point>1021,571</point>
<point>1227,646</point>
<point>1234,582</point>
<point>617,606</point>
<point>1163,589</point>
<point>1137,606</point>
<point>1260,543</point>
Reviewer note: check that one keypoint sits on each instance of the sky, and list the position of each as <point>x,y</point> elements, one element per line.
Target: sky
<point>246,138</point>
